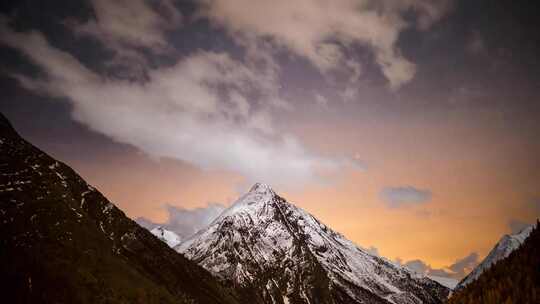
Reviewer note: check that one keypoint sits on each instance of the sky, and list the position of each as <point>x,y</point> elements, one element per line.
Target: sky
<point>411,127</point>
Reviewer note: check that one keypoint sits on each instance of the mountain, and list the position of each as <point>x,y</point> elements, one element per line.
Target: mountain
<point>274,252</point>
<point>170,238</point>
<point>506,245</point>
<point>514,279</point>
<point>62,241</point>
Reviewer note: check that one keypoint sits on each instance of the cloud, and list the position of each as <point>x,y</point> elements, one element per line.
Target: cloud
<point>321,100</point>
<point>440,275</point>
<point>185,222</point>
<point>373,250</point>
<point>132,23</point>
<point>475,44</point>
<point>321,31</point>
<point>127,27</point>
<point>465,265</point>
<point>349,94</point>
<point>146,223</point>
<point>208,109</point>
<point>397,197</point>
<point>458,270</point>
<point>189,221</point>
<point>418,266</point>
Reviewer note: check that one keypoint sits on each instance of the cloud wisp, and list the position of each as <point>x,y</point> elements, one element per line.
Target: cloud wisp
<point>132,23</point>
<point>322,31</point>
<point>185,222</point>
<point>208,109</point>
<point>397,197</point>
<point>127,27</point>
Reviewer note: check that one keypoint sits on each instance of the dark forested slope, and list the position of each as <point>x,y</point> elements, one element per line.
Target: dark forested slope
<point>62,241</point>
<point>515,279</point>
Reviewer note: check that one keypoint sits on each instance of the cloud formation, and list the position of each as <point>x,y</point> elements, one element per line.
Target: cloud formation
<point>458,270</point>
<point>208,109</point>
<point>321,31</point>
<point>133,23</point>
<point>185,222</point>
<point>475,44</point>
<point>397,197</point>
<point>465,265</point>
<point>373,250</point>
<point>128,28</point>
<point>321,100</point>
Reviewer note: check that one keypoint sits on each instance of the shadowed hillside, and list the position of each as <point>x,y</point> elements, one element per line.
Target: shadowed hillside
<point>62,241</point>
<point>515,279</point>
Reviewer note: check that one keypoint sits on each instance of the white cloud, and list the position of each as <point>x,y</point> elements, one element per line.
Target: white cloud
<point>319,30</point>
<point>127,27</point>
<point>397,197</point>
<point>185,222</point>
<point>321,100</point>
<point>131,22</point>
<point>195,111</point>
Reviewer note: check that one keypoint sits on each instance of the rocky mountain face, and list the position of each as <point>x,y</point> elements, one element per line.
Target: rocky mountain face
<point>506,245</point>
<point>62,241</point>
<point>274,252</point>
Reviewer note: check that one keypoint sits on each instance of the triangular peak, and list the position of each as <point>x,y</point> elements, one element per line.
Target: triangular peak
<point>261,188</point>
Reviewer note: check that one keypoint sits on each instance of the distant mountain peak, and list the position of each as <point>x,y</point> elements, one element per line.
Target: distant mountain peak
<point>256,198</point>
<point>506,245</point>
<point>512,279</point>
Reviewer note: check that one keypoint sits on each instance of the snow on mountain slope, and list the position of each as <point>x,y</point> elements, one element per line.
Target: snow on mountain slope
<point>504,247</point>
<point>172,239</point>
<point>448,282</point>
<point>278,253</point>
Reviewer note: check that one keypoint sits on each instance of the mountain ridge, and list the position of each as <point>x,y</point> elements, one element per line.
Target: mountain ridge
<point>169,237</point>
<point>63,242</point>
<point>504,247</point>
<point>513,279</point>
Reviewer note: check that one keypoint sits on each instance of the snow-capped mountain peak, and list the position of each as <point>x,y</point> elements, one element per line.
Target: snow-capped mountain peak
<point>172,239</point>
<point>279,253</point>
<point>506,245</point>
<point>258,195</point>
<point>261,188</point>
